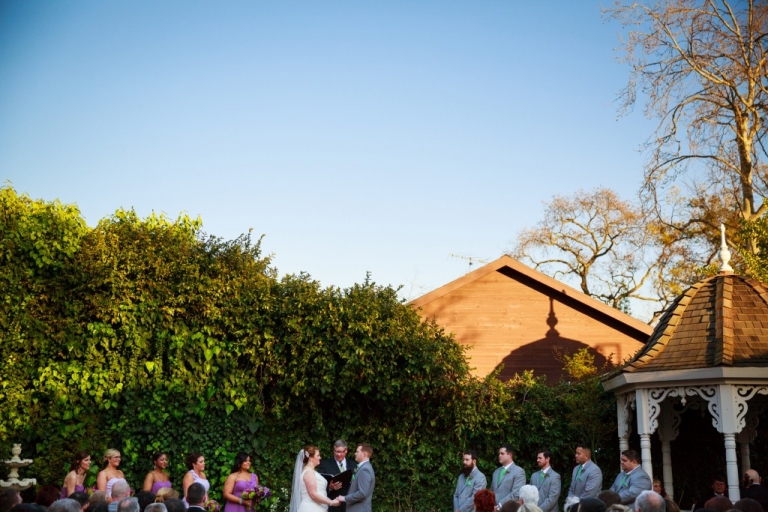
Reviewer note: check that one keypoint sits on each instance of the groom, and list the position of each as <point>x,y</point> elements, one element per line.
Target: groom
<point>361,491</point>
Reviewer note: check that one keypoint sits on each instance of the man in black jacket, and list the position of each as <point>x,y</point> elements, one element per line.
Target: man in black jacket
<point>333,466</point>
<point>196,497</point>
<point>754,489</point>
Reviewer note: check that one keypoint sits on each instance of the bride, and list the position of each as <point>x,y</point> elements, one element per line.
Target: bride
<point>308,494</point>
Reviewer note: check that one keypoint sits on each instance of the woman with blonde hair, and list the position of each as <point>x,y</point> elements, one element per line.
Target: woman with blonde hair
<point>110,475</point>
<point>166,493</point>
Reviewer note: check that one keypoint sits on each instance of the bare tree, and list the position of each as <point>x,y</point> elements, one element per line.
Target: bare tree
<point>701,68</point>
<point>608,245</point>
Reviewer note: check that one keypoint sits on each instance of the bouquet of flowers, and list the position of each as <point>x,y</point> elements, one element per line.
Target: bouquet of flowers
<point>91,490</point>
<point>212,506</point>
<point>258,495</point>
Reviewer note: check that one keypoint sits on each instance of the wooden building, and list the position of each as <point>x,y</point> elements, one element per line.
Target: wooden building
<point>510,314</point>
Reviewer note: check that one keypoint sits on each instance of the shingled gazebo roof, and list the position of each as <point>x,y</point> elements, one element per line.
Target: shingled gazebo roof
<point>720,321</point>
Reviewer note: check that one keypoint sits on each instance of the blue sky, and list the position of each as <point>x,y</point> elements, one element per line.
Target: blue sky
<point>356,136</point>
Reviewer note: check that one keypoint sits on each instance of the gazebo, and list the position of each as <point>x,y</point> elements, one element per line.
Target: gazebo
<point>709,351</point>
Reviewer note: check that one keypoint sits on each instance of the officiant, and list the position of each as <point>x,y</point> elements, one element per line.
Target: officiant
<point>334,466</point>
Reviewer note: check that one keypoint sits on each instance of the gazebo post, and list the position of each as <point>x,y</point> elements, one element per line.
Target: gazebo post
<point>644,429</point>
<point>624,425</point>
<point>668,430</point>
<point>727,424</point>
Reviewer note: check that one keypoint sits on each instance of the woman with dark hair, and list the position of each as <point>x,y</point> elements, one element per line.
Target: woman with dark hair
<point>157,478</point>
<point>46,495</point>
<point>196,465</point>
<point>238,481</point>
<point>75,479</point>
<point>485,501</point>
<point>658,488</point>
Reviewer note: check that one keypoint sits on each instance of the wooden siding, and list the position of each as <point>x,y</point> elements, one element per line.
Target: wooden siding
<point>509,318</point>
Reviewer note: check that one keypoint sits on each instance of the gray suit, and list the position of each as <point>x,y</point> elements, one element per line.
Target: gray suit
<point>589,482</point>
<point>508,487</point>
<point>361,489</point>
<point>466,487</point>
<point>630,486</point>
<point>549,489</point>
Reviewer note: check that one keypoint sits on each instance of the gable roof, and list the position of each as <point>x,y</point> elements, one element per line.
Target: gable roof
<point>557,288</point>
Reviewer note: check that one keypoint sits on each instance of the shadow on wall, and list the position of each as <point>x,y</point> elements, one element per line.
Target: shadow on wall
<point>541,355</point>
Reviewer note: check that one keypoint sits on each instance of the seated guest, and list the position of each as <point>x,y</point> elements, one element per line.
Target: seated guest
<point>719,504</point>
<point>81,498</point>
<point>97,498</point>
<point>144,498</point>
<point>65,505</point>
<point>120,490</point>
<point>128,505</point>
<point>754,489</point>
<point>196,497</point>
<point>618,507</point>
<point>101,506</point>
<point>28,507</point>
<point>46,495</point>
<point>671,506</point>
<point>591,505</point>
<point>610,498</point>
<point>175,505</point>
<point>658,488</point>
<point>485,501</point>
<point>528,507</point>
<point>166,493</point>
<point>9,498</point>
<point>748,505</point>
<point>529,494</point>
<point>155,507</point>
<point>510,506</point>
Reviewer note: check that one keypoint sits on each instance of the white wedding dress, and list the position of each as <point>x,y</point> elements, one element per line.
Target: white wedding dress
<point>307,504</point>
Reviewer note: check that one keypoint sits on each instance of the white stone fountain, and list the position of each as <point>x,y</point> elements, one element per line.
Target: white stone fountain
<point>15,463</point>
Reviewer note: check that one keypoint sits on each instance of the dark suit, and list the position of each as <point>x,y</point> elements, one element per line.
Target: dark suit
<point>331,467</point>
<point>758,493</point>
<point>195,509</point>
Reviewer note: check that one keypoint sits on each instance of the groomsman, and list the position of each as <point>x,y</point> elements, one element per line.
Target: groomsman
<point>360,495</point>
<point>547,481</point>
<point>587,479</point>
<point>335,465</point>
<point>632,480</point>
<point>508,479</point>
<point>470,481</point>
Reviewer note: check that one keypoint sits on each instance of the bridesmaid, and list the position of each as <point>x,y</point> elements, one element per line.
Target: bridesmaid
<point>110,474</point>
<point>238,481</point>
<point>75,479</point>
<point>196,465</point>
<point>157,478</point>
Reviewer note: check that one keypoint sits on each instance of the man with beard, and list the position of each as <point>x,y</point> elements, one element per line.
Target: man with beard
<point>470,481</point>
<point>547,481</point>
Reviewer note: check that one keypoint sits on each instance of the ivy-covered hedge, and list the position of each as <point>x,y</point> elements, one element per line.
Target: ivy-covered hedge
<point>145,335</point>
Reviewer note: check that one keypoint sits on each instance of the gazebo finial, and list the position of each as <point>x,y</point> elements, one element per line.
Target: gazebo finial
<point>725,254</point>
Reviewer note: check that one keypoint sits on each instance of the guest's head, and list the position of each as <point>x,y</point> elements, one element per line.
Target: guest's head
<point>120,490</point>
<point>128,505</point>
<point>618,507</point>
<point>28,507</point>
<point>144,498</point>
<point>671,505</point>
<point>649,501</point>
<point>529,494</point>
<point>609,498</point>
<point>719,504</point>
<point>80,497</point>
<point>9,498</point>
<point>242,462</point>
<point>591,505</point>
<point>166,493</point>
<point>47,494</point>
<point>748,505</point>
<point>510,506</point>
<point>529,507</point>
<point>101,506</point>
<point>196,494</point>
<point>485,501</point>
<point>65,505</point>
<point>658,487</point>
<point>173,505</point>
<point>718,485</point>
<point>97,498</point>
<point>156,507</point>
